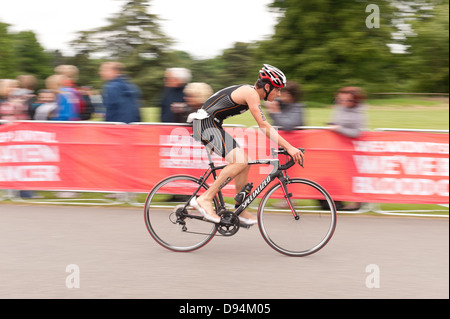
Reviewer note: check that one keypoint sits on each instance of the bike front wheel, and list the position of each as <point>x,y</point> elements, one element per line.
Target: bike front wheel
<point>310,231</point>
<point>173,224</point>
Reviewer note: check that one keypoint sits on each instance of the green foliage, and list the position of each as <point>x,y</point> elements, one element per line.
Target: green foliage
<point>133,34</point>
<point>133,37</point>
<point>21,53</point>
<point>235,65</point>
<point>30,55</point>
<point>321,44</point>
<point>8,64</point>
<point>326,44</point>
<point>430,52</point>
<point>386,113</point>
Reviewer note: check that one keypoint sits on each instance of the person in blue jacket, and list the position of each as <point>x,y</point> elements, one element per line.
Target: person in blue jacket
<point>120,96</point>
<point>173,101</point>
<point>67,106</point>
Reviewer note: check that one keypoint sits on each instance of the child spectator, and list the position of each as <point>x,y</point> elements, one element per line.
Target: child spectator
<point>45,106</point>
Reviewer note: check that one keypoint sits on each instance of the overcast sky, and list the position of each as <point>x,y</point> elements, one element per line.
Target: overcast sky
<point>188,22</point>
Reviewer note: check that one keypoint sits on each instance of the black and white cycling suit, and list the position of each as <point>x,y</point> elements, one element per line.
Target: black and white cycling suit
<point>209,130</point>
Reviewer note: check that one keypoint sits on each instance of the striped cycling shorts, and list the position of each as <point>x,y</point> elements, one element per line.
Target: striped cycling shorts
<point>211,134</point>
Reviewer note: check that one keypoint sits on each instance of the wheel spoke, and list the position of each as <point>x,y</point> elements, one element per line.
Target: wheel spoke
<point>297,236</point>
<point>169,222</point>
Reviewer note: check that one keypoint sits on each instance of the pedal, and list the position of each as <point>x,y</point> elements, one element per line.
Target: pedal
<point>245,226</point>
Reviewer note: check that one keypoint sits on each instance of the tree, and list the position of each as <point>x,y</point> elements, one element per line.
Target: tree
<point>235,65</point>
<point>30,55</point>
<point>8,63</point>
<point>21,53</point>
<point>240,64</point>
<point>131,32</point>
<point>133,37</point>
<point>325,44</point>
<point>428,56</point>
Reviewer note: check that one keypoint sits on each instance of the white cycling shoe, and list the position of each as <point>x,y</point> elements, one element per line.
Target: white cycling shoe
<point>248,221</point>
<point>202,211</point>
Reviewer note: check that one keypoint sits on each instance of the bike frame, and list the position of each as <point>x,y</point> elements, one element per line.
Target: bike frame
<point>277,173</point>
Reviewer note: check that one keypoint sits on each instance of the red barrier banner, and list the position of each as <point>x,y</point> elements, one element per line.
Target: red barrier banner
<point>396,167</point>
<point>58,156</point>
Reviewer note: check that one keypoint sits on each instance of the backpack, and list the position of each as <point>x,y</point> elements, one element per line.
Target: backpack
<point>86,107</point>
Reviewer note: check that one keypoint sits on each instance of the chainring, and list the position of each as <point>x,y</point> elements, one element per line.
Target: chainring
<point>229,224</point>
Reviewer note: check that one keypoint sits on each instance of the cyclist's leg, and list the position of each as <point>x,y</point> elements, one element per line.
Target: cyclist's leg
<point>241,174</point>
<point>240,181</point>
<point>238,163</point>
<point>214,137</point>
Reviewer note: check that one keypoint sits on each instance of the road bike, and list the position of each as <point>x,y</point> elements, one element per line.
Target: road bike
<point>290,218</point>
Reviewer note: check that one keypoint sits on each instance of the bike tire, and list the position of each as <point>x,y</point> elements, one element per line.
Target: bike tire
<point>302,237</point>
<point>161,218</point>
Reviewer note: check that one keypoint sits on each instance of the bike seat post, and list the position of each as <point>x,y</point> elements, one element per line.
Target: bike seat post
<point>209,152</point>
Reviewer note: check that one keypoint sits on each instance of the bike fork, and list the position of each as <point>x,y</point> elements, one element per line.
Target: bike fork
<point>287,196</point>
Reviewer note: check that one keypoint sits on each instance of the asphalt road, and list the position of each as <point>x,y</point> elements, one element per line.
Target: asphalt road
<point>101,252</point>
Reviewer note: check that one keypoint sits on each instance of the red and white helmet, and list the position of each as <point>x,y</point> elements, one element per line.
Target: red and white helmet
<point>273,76</point>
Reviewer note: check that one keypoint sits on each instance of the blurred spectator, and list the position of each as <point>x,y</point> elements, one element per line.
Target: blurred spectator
<point>349,118</point>
<point>67,106</point>
<point>18,96</point>
<point>66,101</point>
<point>26,92</point>
<point>120,96</point>
<point>349,115</point>
<point>286,112</point>
<point>6,87</point>
<point>95,99</point>
<point>45,107</point>
<point>82,101</point>
<point>3,89</point>
<point>195,95</point>
<point>173,102</point>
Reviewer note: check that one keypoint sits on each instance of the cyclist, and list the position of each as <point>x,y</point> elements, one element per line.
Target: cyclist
<point>207,128</point>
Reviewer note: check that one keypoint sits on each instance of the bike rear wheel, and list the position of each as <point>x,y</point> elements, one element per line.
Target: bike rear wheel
<point>172,226</point>
<point>305,235</point>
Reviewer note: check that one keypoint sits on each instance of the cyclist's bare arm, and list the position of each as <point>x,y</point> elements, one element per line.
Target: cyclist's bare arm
<point>250,97</point>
